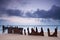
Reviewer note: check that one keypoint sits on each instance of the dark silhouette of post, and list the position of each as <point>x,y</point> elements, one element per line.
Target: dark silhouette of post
<point>3,28</point>
<point>28,31</point>
<point>36,30</point>
<point>32,30</point>
<point>55,33</point>
<point>24,31</point>
<point>48,32</point>
<point>42,32</point>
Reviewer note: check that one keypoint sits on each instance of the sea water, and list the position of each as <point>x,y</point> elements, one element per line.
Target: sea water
<point>51,27</point>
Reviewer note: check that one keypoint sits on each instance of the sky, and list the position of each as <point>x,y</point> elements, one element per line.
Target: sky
<point>14,11</point>
<point>29,5</point>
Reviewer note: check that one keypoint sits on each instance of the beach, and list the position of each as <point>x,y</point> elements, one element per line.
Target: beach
<point>27,37</point>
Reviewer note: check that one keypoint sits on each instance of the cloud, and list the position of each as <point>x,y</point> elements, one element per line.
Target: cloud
<point>53,13</point>
<point>5,11</point>
<point>12,3</point>
<point>57,2</point>
<point>28,5</point>
<point>14,12</point>
<point>10,12</point>
<point>4,3</point>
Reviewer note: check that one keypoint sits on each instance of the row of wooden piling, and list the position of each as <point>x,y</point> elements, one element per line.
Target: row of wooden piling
<point>16,30</point>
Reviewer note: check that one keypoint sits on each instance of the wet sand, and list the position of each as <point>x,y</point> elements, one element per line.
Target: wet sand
<point>27,37</point>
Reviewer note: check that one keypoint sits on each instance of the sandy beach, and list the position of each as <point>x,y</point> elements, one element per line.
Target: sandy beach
<point>27,37</point>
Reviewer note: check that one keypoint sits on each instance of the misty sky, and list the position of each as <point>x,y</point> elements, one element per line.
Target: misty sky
<point>28,5</point>
<point>10,11</point>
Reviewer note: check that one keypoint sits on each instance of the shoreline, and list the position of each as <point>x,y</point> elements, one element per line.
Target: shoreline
<point>27,37</point>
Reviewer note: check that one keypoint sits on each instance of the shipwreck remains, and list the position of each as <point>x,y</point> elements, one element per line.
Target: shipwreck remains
<point>33,32</point>
<point>54,34</point>
<point>16,30</point>
<point>13,30</point>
